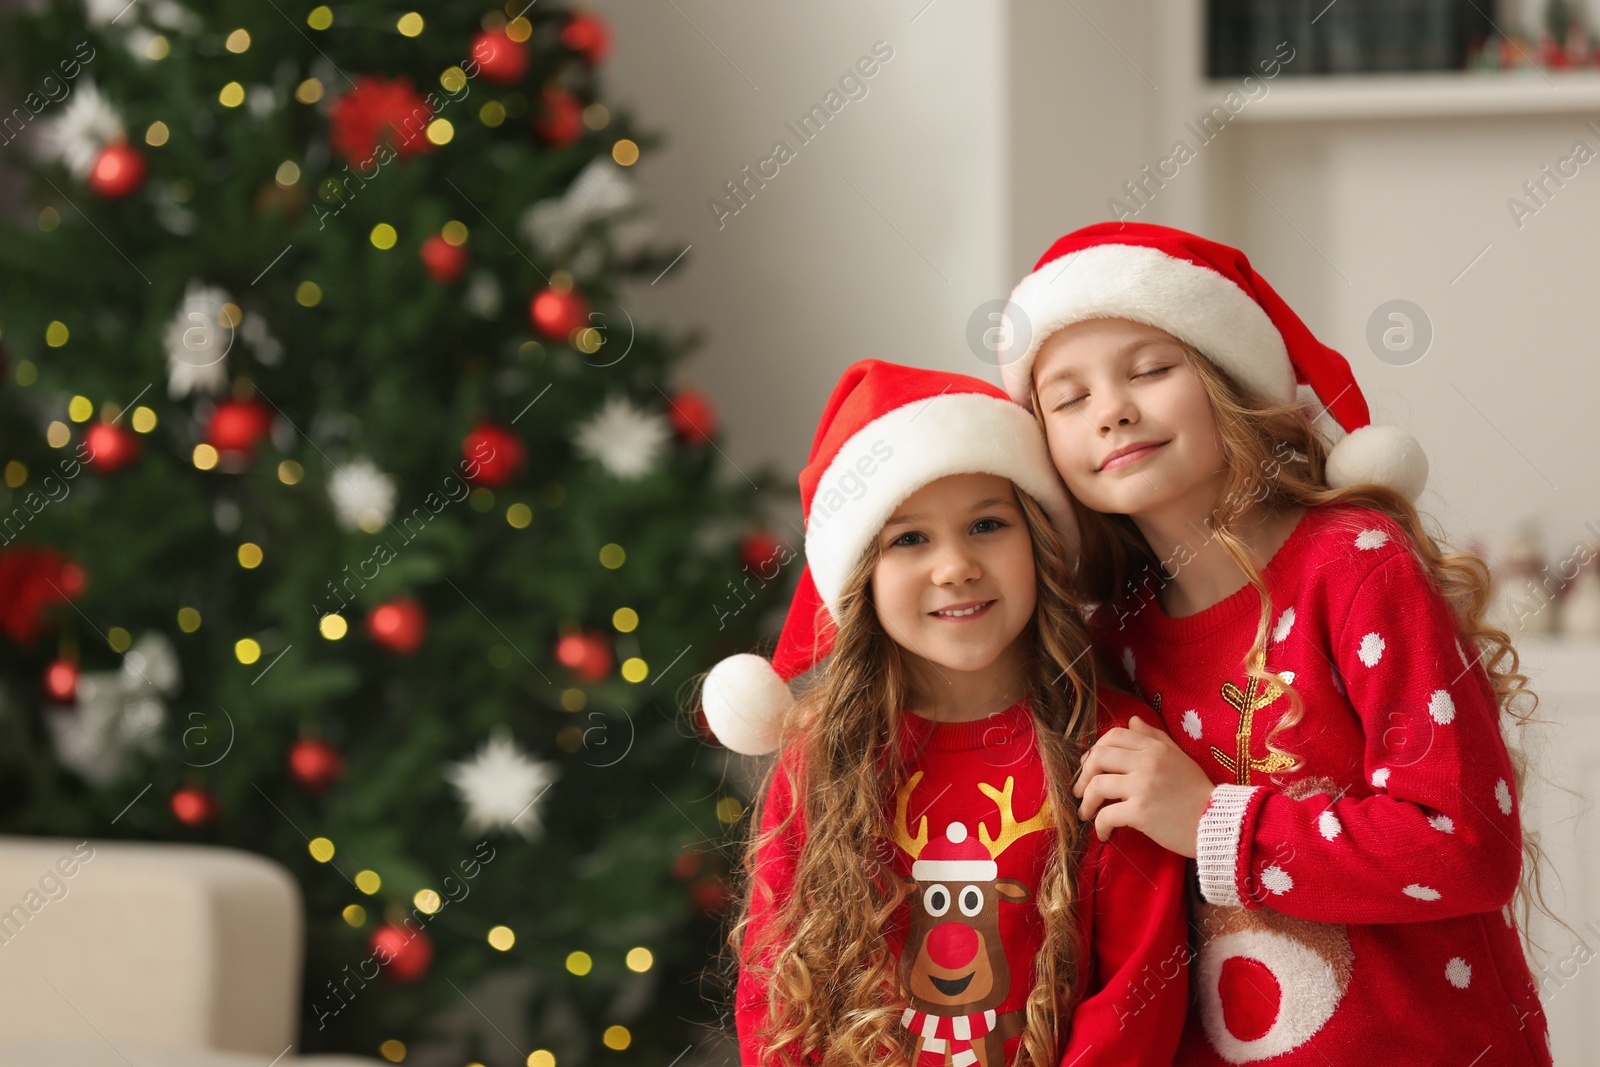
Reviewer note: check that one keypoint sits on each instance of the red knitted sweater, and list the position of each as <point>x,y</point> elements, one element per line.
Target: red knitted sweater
<point>973,810</point>
<point>1354,911</point>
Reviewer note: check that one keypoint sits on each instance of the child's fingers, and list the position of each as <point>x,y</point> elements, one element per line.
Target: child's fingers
<point>1100,760</point>
<point>1103,788</point>
<point>1124,737</point>
<point>1139,725</point>
<point>1112,816</point>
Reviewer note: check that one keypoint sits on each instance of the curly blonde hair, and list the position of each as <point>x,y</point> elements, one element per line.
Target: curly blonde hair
<point>1277,458</point>
<point>832,987</point>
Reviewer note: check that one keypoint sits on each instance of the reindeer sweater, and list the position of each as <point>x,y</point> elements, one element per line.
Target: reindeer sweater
<point>973,831</point>
<point>1354,911</point>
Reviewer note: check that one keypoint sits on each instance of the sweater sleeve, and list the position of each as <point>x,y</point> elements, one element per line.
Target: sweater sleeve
<point>770,883</point>
<point>1438,836</point>
<point>1133,1008</point>
<point>1137,994</point>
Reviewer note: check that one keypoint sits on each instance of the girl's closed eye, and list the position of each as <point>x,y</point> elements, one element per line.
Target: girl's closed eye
<point>1151,373</point>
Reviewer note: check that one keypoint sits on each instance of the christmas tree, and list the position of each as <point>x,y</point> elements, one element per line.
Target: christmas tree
<point>350,518</point>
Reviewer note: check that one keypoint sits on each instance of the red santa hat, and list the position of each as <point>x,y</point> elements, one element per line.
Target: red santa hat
<point>886,431</point>
<point>1205,294</point>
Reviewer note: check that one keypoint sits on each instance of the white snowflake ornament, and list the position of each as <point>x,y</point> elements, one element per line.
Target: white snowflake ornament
<point>197,341</point>
<point>116,713</point>
<point>362,495</point>
<point>599,191</point>
<point>625,440</point>
<point>501,786</point>
<point>81,129</point>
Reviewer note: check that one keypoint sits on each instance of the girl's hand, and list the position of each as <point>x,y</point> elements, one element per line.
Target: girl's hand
<point>1139,777</point>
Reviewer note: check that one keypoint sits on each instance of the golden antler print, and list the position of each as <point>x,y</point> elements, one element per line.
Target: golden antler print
<point>1010,829</point>
<point>1247,702</point>
<point>912,845</point>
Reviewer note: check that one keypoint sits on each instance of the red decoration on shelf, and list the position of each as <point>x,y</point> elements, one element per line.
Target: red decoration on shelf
<point>758,550</point>
<point>590,35</point>
<point>493,453</point>
<point>502,60</point>
<point>379,111</point>
<point>587,654</point>
<point>111,447</point>
<point>560,118</point>
<point>237,425</point>
<point>404,955</point>
<point>194,806</point>
<point>693,416</point>
<point>557,312</point>
<point>61,681</point>
<point>117,171</point>
<point>315,765</point>
<point>31,579</point>
<point>444,261</point>
<point>398,625</point>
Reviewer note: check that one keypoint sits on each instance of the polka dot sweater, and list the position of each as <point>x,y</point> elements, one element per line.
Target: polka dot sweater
<point>975,832</point>
<point>1355,910</point>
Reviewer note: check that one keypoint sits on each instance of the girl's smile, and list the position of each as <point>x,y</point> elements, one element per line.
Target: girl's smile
<point>1130,454</point>
<point>961,612</point>
<point>955,587</point>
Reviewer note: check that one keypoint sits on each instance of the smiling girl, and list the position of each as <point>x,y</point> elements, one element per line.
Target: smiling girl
<point>1334,697</point>
<point>920,889</point>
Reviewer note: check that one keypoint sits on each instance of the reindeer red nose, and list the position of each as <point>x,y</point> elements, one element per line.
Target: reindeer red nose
<point>952,945</point>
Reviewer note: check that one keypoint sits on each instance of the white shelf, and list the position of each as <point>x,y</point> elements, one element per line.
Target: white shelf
<point>1406,96</point>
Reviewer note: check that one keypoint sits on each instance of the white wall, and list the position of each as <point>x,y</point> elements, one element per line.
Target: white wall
<point>998,126</point>
<point>814,274</point>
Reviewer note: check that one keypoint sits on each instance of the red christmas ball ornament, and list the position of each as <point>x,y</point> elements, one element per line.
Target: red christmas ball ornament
<point>502,60</point>
<point>117,171</point>
<point>758,551</point>
<point>703,726</point>
<point>315,765</point>
<point>493,455</point>
<point>404,954</point>
<point>687,864</point>
<point>398,625</point>
<point>237,425</point>
<point>111,447</point>
<point>590,35</point>
<point>194,806</point>
<point>379,111</point>
<point>61,681</point>
<point>560,118</point>
<point>693,416</point>
<point>710,894</point>
<point>32,579</point>
<point>444,261</point>
<point>588,655</point>
<point>557,312</point>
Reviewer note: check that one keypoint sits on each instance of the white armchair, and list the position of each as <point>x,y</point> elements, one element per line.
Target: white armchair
<point>159,955</point>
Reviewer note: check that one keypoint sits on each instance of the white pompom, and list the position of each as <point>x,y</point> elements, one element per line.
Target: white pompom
<point>745,701</point>
<point>1387,455</point>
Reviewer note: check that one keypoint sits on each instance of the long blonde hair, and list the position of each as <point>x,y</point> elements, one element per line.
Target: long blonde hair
<point>1276,457</point>
<point>833,987</point>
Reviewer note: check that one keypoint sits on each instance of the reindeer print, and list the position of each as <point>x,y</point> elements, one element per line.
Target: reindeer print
<point>953,967</point>
<point>1268,982</point>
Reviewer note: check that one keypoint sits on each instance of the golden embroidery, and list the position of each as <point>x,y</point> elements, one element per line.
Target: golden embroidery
<point>1247,702</point>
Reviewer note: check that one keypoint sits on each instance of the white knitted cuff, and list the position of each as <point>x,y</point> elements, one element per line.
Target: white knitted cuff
<point>1217,842</point>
